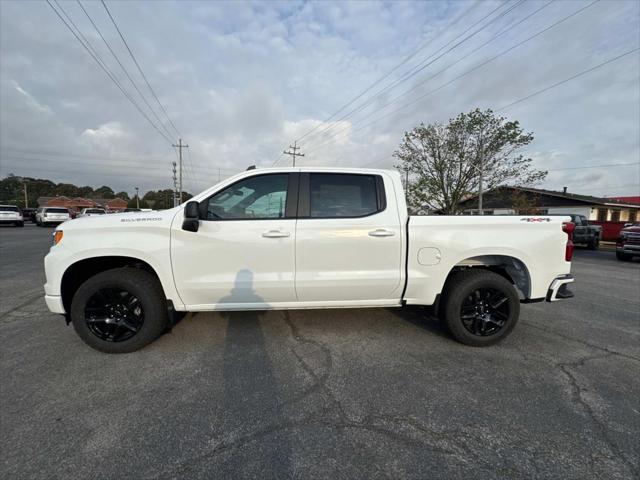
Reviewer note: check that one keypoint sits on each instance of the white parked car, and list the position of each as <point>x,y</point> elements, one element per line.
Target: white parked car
<point>51,216</point>
<point>11,215</point>
<point>301,238</point>
<point>90,212</point>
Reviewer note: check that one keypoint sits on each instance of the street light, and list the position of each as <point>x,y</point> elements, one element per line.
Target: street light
<point>137,198</point>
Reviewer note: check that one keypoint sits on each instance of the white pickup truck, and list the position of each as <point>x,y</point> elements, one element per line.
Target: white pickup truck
<point>298,238</point>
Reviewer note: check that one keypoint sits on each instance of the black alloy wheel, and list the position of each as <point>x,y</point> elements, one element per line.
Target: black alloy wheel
<point>485,311</point>
<point>114,314</point>
<point>480,307</point>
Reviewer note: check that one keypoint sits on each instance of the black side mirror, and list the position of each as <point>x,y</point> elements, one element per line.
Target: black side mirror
<point>191,221</point>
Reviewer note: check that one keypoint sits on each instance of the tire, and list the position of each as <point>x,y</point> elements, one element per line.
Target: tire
<point>625,257</point>
<point>471,315</point>
<point>593,244</point>
<point>134,324</point>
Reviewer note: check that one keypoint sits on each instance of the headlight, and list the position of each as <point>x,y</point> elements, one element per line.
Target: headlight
<point>57,236</point>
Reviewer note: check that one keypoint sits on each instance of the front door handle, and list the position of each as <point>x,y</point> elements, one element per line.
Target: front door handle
<point>381,232</point>
<point>275,234</point>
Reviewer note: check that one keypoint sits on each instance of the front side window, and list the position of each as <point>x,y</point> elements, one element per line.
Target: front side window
<point>342,195</point>
<point>259,197</point>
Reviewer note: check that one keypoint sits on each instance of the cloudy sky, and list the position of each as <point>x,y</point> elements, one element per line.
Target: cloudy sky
<point>242,80</point>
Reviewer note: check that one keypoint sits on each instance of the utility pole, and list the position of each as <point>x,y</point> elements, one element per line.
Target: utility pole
<point>137,198</point>
<point>175,186</point>
<point>294,153</point>
<point>481,172</point>
<point>26,197</point>
<point>180,146</point>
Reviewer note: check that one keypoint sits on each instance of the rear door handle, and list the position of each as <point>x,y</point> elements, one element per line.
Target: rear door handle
<point>275,234</point>
<point>381,232</point>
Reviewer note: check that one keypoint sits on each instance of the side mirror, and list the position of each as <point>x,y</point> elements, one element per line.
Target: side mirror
<point>191,221</point>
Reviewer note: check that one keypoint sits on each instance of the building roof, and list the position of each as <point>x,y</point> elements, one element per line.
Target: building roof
<point>501,198</point>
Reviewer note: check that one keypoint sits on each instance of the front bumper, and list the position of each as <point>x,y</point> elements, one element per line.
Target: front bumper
<point>630,249</point>
<point>558,289</point>
<point>54,303</point>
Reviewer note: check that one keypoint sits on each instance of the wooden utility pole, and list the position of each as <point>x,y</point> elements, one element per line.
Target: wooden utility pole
<point>294,153</point>
<point>26,197</point>
<point>137,198</point>
<point>180,146</point>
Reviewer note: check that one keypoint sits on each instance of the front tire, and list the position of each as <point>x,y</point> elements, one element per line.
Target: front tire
<point>119,310</point>
<point>625,257</point>
<point>481,307</point>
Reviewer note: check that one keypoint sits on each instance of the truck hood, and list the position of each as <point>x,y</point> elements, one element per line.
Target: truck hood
<point>123,220</point>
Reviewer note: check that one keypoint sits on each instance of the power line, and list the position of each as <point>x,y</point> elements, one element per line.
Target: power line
<point>140,68</point>
<point>584,72</point>
<point>409,57</point>
<point>482,64</point>
<point>126,72</point>
<point>427,62</point>
<point>609,165</point>
<point>103,66</point>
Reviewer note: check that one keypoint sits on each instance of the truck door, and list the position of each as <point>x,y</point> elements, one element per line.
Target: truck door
<point>348,240</point>
<point>242,255</point>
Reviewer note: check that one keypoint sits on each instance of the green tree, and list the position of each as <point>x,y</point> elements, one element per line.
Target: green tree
<point>103,192</point>
<point>444,161</point>
<point>122,195</point>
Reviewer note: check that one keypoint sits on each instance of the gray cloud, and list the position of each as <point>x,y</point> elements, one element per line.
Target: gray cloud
<point>241,80</point>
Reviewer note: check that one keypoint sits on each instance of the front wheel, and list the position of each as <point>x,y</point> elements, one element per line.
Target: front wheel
<point>623,256</point>
<point>119,310</point>
<point>480,307</point>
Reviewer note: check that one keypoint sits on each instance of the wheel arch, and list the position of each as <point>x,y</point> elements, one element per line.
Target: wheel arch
<point>509,267</point>
<point>77,273</point>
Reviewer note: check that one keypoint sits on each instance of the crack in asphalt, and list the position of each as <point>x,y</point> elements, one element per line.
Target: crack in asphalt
<point>582,342</point>
<point>26,303</point>
<point>579,399</point>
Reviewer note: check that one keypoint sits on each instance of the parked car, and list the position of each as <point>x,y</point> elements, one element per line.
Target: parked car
<point>11,215</point>
<point>89,212</point>
<point>585,234</point>
<point>301,238</point>
<point>628,243</point>
<point>51,216</point>
<point>29,214</point>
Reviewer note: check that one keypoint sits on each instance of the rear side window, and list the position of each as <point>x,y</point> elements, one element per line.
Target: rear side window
<point>343,195</point>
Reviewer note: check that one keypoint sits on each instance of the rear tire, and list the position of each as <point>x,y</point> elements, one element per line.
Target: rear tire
<point>119,310</point>
<point>480,307</point>
<point>593,244</point>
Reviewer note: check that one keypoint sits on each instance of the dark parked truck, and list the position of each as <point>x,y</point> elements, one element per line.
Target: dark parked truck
<point>585,234</point>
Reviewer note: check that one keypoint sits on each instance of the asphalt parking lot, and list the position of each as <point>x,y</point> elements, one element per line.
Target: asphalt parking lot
<point>368,393</point>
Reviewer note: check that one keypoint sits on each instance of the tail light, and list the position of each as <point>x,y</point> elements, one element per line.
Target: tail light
<point>568,228</point>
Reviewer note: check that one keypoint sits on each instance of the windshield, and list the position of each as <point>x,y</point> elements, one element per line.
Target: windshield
<point>95,210</point>
<point>56,210</point>
<point>9,209</point>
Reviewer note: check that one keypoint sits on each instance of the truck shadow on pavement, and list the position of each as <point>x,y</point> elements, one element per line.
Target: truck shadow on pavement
<point>423,318</point>
<point>250,384</point>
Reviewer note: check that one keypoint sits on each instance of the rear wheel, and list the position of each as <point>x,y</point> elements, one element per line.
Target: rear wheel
<point>593,244</point>
<point>119,310</point>
<point>480,307</point>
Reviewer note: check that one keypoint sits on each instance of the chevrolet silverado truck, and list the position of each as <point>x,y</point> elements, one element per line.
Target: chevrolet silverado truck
<point>301,238</point>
